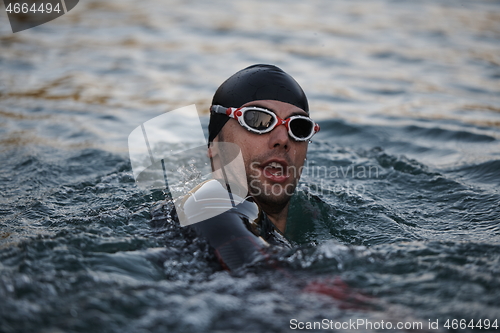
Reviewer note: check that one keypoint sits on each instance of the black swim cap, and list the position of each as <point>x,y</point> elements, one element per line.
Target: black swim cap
<point>257,82</point>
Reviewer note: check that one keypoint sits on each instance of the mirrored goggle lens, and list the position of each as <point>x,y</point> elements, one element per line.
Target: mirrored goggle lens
<point>258,120</point>
<point>301,127</point>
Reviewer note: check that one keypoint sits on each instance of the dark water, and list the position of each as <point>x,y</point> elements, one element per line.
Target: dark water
<point>397,217</point>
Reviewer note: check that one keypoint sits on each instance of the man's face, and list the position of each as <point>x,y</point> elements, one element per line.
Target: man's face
<point>273,161</point>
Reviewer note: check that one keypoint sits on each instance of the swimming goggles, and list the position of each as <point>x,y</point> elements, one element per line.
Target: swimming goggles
<point>259,120</point>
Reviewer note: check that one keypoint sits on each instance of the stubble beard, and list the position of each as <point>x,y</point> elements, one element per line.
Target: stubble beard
<point>275,196</point>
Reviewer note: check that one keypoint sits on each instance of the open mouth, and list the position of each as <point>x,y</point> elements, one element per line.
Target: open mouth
<point>276,171</point>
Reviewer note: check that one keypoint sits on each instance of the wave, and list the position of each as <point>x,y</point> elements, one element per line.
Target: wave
<point>486,173</point>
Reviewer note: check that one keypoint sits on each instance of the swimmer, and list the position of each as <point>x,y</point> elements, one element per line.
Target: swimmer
<point>265,112</point>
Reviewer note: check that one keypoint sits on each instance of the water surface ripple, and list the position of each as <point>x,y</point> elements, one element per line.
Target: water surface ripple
<point>397,216</point>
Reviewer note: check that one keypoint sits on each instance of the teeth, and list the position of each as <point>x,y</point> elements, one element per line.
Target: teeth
<point>275,165</point>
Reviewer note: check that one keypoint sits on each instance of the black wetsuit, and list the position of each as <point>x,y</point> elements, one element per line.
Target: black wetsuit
<point>239,235</point>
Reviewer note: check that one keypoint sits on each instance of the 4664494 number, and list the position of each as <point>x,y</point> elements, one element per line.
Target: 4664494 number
<point>25,8</point>
<point>485,324</point>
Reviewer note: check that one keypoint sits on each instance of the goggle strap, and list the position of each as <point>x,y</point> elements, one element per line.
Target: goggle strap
<point>230,112</point>
<point>218,109</point>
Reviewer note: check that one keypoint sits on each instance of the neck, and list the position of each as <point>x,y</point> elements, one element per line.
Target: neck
<point>277,216</point>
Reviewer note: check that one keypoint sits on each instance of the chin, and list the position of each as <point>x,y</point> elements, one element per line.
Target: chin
<point>272,201</point>
<point>275,194</point>
<point>266,191</point>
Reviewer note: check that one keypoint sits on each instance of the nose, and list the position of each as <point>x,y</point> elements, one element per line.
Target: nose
<point>279,138</point>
